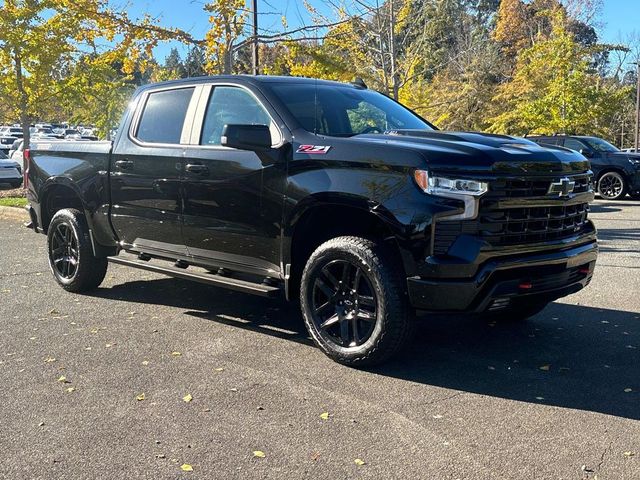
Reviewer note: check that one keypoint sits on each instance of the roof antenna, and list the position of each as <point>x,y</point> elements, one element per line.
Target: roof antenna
<point>358,82</point>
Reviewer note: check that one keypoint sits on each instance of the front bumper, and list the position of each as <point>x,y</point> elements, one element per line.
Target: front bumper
<point>543,276</point>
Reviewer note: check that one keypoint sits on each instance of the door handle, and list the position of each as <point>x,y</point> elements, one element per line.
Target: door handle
<point>196,168</point>
<point>124,164</point>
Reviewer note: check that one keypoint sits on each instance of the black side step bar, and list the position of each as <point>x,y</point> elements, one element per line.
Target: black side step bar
<point>207,278</point>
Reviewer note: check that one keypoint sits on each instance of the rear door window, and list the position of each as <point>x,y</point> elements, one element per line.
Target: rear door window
<point>163,116</point>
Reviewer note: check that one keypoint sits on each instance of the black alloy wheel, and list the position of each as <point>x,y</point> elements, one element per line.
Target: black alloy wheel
<point>611,186</point>
<point>354,301</point>
<point>63,250</point>
<point>343,303</point>
<point>71,255</point>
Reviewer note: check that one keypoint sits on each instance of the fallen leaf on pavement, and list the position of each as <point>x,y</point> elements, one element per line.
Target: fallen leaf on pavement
<point>50,359</point>
<point>546,368</point>
<point>187,398</point>
<point>63,379</point>
<point>628,454</point>
<point>176,354</point>
<point>71,390</point>
<point>186,467</point>
<point>628,390</point>
<point>145,362</point>
<point>219,369</point>
<point>259,454</point>
<point>140,397</point>
<point>359,462</point>
<point>324,415</point>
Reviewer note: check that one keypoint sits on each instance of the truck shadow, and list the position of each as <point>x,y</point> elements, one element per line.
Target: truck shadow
<point>568,356</point>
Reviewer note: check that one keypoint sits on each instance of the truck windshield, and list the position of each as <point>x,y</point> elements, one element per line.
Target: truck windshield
<point>600,145</point>
<point>345,111</point>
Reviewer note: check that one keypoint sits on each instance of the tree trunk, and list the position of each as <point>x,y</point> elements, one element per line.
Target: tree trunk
<point>23,101</point>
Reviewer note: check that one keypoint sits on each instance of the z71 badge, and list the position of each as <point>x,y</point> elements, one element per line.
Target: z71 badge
<point>314,149</point>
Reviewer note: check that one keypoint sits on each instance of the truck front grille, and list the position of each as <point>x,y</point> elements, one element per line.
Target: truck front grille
<point>500,227</point>
<point>519,188</point>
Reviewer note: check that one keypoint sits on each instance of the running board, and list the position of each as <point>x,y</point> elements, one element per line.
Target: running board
<point>207,278</point>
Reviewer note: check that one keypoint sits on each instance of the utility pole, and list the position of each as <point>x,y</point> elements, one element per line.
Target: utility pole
<point>254,45</point>
<point>637,104</point>
<point>392,49</point>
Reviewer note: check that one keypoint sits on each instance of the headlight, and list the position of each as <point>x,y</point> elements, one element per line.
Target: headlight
<point>447,187</point>
<point>462,189</point>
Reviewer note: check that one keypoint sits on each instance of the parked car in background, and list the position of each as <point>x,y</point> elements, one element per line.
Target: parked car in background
<point>616,173</point>
<point>10,172</point>
<point>72,134</point>
<point>16,151</point>
<point>8,135</point>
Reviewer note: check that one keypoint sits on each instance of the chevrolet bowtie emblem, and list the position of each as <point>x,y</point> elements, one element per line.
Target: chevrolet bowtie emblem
<point>562,187</point>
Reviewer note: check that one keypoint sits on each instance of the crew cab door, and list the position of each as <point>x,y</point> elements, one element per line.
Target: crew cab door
<point>233,199</point>
<point>146,173</point>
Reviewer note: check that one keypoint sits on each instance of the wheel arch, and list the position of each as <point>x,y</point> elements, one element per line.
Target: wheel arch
<point>321,217</point>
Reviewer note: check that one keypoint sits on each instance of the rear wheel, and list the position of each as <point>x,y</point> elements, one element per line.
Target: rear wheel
<point>353,301</point>
<point>71,257</point>
<point>612,186</point>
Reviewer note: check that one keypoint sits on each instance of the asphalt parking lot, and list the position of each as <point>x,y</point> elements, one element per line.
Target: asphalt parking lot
<point>556,397</point>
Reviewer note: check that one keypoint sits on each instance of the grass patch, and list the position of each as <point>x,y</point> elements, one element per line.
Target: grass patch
<point>13,202</point>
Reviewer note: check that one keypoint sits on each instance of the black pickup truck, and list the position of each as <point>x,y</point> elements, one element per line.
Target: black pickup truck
<point>326,193</point>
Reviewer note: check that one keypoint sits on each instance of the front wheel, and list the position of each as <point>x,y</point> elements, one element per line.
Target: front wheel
<point>612,186</point>
<point>71,257</point>
<point>353,301</point>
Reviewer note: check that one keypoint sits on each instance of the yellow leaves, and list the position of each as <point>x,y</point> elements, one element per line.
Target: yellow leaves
<point>176,354</point>
<point>185,467</point>
<point>359,462</point>
<point>63,379</point>
<point>50,359</point>
<point>324,416</point>
<point>140,397</point>
<point>629,454</point>
<point>70,390</point>
<point>187,398</point>
<point>259,454</point>
<point>219,369</point>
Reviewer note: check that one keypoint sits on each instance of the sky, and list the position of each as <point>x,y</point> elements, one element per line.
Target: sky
<point>619,18</point>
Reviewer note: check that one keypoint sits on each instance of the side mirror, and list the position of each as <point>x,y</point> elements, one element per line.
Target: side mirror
<point>586,152</point>
<point>246,137</point>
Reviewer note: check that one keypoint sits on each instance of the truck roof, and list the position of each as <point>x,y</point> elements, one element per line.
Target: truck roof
<point>251,79</point>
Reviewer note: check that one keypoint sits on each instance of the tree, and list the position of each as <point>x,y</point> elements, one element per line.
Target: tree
<point>43,42</point>
<point>227,19</point>
<point>174,65</point>
<point>554,90</point>
<point>194,64</point>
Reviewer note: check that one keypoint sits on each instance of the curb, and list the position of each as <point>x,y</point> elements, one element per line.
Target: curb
<point>14,213</point>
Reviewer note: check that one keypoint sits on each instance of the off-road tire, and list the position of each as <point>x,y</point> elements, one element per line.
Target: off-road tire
<point>383,278</point>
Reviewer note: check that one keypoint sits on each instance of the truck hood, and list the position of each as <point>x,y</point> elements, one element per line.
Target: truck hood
<point>468,152</point>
